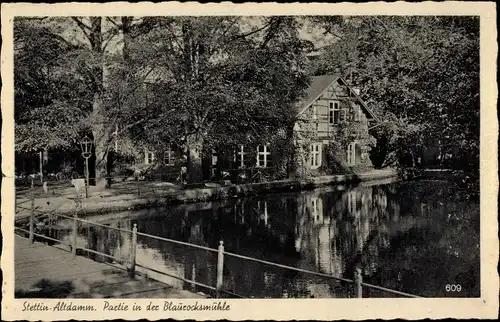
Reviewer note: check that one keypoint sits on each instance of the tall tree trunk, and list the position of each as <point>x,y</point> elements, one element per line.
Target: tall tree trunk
<point>194,143</point>
<point>126,30</point>
<point>290,149</point>
<point>101,135</point>
<point>100,130</point>
<point>123,100</point>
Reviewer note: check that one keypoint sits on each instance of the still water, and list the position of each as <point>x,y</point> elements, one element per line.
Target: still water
<point>414,237</point>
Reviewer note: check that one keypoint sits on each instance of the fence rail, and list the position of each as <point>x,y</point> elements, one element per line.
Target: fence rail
<point>131,263</point>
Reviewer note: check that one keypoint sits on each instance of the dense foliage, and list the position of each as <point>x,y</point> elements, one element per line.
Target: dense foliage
<point>219,85</point>
<point>206,82</point>
<point>195,82</point>
<point>421,75</point>
<point>50,100</point>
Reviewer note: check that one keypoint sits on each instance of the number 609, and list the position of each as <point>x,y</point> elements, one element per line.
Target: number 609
<point>453,288</point>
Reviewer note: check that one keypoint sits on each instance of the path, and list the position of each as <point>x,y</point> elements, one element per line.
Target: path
<point>42,271</point>
<point>134,195</point>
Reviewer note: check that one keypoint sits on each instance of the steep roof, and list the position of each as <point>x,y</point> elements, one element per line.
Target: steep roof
<point>319,84</point>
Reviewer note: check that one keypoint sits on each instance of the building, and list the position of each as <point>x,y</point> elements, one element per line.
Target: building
<point>332,128</point>
<point>330,135</point>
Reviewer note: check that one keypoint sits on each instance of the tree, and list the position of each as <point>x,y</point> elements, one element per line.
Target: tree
<point>62,90</point>
<point>421,74</point>
<point>49,98</point>
<point>216,83</point>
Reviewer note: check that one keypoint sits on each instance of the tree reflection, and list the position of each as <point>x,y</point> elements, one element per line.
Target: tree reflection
<point>412,237</point>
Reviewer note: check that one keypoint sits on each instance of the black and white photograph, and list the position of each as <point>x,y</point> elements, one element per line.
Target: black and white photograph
<point>209,158</point>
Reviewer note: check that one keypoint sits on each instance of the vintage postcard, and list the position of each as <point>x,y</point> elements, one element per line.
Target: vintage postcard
<point>249,161</point>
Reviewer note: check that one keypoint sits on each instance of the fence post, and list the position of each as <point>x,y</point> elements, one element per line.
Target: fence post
<point>193,277</point>
<point>358,278</point>
<point>73,244</point>
<point>133,250</point>
<point>32,218</point>
<point>87,183</point>
<point>220,268</point>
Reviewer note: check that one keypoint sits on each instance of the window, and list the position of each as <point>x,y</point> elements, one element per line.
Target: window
<point>351,156</point>
<point>214,158</point>
<point>336,114</point>
<point>315,156</point>
<point>149,157</point>
<point>317,209</point>
<point>168,156</point>
<point>262,156</point>
<point>262,206</point>
<point>240,157</point>
<point>351,202</point>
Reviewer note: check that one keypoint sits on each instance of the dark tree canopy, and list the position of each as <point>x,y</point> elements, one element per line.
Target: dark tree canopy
<point>50,99</point>
<point>207,82</point>
<point>421,74</point>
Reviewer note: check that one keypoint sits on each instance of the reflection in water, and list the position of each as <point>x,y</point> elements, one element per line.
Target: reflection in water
<point>411,237</point>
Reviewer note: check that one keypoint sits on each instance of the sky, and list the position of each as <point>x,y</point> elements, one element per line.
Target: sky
<point>71,32</point>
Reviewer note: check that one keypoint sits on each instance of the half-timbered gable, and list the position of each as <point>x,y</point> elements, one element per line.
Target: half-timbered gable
<point>330,102</point>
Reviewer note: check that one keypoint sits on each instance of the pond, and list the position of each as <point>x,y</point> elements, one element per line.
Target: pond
<point>416,237</point>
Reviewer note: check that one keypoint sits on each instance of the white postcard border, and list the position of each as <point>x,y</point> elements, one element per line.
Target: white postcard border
<point>289,309</point>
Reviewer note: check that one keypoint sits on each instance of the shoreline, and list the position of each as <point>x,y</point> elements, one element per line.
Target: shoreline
<point>96,205</point>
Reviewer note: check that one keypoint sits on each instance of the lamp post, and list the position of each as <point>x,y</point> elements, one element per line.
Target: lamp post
<point>86,145</point>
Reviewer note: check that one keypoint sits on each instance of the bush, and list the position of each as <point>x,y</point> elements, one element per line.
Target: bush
<point>335,159</point>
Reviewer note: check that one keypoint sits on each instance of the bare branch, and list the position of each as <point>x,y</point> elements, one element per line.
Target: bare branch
<point>110,19</point>
<point>252,32</point>
<point>81,24</point>
<point>83,27</point>
<point>273,26</point>
<point>110,37</point>
<point>216,39</point>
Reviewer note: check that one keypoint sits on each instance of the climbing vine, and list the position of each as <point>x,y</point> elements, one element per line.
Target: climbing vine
<point>302,149</point>
<point>346,132</point>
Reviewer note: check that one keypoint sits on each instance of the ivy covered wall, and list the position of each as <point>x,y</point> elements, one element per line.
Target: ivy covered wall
<point>354,129</point>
